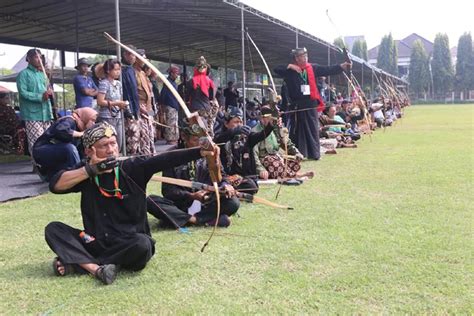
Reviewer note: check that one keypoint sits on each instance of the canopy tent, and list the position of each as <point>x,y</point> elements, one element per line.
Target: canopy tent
<point>69,74</point>
<point>11,86</point>
<point>176,31</point>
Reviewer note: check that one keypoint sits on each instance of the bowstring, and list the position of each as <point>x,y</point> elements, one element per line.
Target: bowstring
<point>177,226</point>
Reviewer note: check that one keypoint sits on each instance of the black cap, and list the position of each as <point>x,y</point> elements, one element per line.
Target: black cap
<point>299,51</point>
<point>266,111</point>
<point>82,61</point>
<point>232,112</point>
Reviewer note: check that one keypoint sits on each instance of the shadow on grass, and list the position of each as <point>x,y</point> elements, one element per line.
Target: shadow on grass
<point>43,271</point>
<point>28,271</point>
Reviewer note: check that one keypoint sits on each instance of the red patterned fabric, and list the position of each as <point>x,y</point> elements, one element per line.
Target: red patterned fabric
<point>313,88</point>
<point>203,81</point>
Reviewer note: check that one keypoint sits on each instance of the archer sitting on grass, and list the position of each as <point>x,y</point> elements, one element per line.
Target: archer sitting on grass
<point>113,207</point>
<point>181,206</point>
<point>237,155</point>
<point>276,156</point>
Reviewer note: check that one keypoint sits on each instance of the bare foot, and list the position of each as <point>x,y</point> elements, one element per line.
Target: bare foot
<point>309,175</point>
<point>89,267</point>
<point>349,145</point>
<point>60,270</point>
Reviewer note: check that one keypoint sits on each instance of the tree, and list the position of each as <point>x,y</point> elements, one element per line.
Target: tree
<point>5,71</point>
<point>387,58</point>
<point>339,42</point>
<point>359,49</point>
<point>441,66</point>
<point>465,64</point>
<point>99,58</point>
<point>365,51</point>
<point>419,74</point>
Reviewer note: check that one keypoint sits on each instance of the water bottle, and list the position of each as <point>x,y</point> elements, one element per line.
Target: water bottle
<point>86,237</point>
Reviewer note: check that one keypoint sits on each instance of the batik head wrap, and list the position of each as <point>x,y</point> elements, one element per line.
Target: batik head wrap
<point>96,132</point>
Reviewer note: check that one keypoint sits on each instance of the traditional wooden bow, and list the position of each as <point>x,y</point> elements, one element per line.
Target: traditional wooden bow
<point>365,109</point>
<point>275,98</point>
<point>350,80</point>
<point>284,138</point>
<point>202,186</point>
<point>194,119</point>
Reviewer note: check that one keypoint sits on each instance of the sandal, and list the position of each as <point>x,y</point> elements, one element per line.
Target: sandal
<point>106,273</point>
<point>68,268</point>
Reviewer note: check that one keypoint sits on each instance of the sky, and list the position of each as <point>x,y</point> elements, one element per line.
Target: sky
<point>373,19</point>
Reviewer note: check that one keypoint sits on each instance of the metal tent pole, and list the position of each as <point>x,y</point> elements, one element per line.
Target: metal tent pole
<point>362,79</point>
<point>117,26</point>
<point>372,92</point>
<point>77,31</point>
<point>63,64</point>
<point>244,94</point>
<point>225,61</point>
<point>117,36</point>
<point>329,63</point>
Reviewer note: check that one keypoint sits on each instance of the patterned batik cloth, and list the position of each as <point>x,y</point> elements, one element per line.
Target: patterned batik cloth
<point>132,136</point>
<point>34,129</point>
<point>275,166</point>
<point>171,133</point>
<point>210,117</point>
<point>147,133</point>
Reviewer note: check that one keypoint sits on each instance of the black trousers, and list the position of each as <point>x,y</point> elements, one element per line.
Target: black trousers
<point>170,215</point>
<point>304,129</point>
<point>131,251</point>
<point>157,206</point>
<point>248,185</point>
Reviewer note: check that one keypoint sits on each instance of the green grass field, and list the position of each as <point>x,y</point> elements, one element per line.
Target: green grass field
<point>384,228</point>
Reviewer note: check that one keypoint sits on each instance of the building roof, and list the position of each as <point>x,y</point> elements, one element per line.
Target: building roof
<point>404,46</point>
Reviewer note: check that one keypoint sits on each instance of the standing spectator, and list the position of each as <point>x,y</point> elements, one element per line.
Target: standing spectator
<point>322,85</point>
<point>182,86</point>
<point>220,98</point>
<point>300,77</point>
<point>231,95</point>
<point>153,77</point>
<point>331,93</point>
<point>109,98</point>
<point>339,98</point>
<point>130,94</point>
<point>129,81</point>
<point>171,107</point>
<point>146,140</point>
<point>35,107</point>
<point>84,86</point>
<point>201,94</point>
